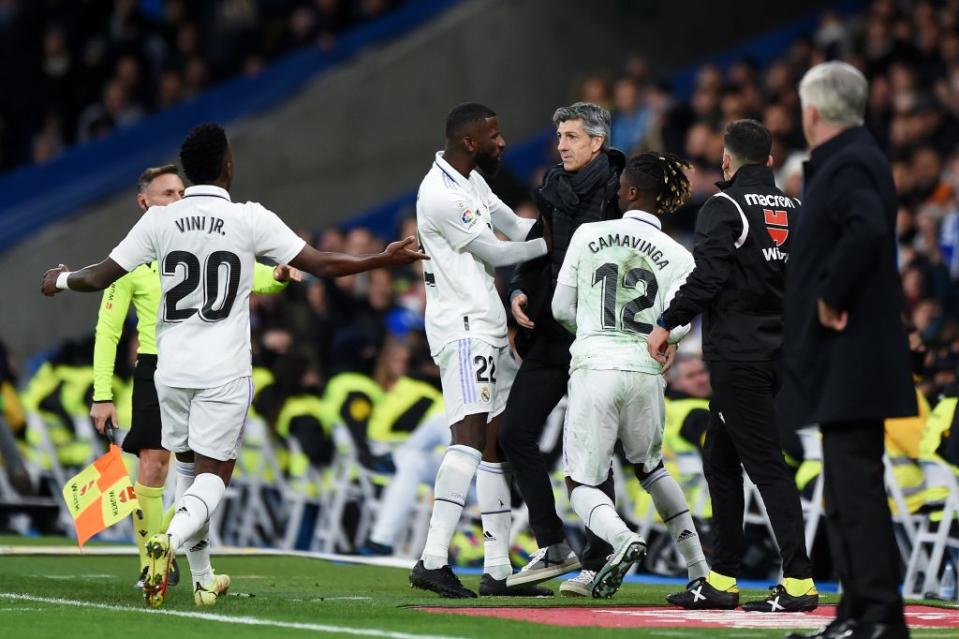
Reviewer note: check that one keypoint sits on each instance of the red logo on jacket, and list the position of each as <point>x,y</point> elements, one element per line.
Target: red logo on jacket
<point>777,223</point>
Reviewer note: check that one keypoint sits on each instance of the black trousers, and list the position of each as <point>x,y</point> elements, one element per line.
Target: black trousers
<point>742,433</point>
<point>859,524</point>
<point>539,385</point>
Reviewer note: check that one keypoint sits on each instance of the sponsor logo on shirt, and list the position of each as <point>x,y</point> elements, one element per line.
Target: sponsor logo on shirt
<point>777,224</point>
<point>469,217</point>
<point>770,200</point>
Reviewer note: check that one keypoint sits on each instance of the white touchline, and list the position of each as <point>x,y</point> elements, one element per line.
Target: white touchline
<point>243,621</point>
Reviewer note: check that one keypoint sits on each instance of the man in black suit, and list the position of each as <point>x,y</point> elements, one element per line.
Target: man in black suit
<point>847,364</point>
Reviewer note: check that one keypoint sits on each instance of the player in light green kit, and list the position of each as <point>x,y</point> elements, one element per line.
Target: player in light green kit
<point>156,187</point>
<point>616,280</point>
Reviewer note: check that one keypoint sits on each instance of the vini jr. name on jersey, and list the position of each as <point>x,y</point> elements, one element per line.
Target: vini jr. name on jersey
<point>198,223</point>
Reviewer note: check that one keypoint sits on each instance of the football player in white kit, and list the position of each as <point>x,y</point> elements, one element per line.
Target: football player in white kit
<point>206,246</point>
<point>617,278</point>
<point>456,213</point>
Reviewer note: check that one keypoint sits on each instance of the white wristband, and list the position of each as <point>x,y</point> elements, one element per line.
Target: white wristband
<point>62,281</point>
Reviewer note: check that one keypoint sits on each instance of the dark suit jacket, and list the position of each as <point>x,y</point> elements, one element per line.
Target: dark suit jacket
<point>844,252</point>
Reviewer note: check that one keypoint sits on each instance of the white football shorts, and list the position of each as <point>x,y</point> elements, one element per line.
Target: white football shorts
<point>606,405</point>
<point>208,421</point>
<point>476,378</point>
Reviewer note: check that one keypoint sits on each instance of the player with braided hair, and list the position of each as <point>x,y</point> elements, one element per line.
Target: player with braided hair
<point>660,176</point>
<point>617,277</point>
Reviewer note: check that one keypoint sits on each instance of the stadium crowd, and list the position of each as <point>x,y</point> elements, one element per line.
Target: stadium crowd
<point>372,324</point>
<point>72,72</point>
<point>910,54</point>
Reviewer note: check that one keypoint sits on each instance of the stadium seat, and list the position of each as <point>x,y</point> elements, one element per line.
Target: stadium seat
<point>935,532</point>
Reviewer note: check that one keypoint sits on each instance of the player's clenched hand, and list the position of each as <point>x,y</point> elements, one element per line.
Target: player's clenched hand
<point>670,357</point>
<point>100,412</point>
<point>48,285</point>
<point>518,307</point>
<point>401,252</point>
<point>656,344</point>
<point>286,273</point>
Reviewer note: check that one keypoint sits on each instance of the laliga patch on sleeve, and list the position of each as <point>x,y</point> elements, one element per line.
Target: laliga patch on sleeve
<point>469,218</point>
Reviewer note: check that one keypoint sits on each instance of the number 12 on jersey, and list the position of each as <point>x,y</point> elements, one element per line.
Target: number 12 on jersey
<point>607,276</point>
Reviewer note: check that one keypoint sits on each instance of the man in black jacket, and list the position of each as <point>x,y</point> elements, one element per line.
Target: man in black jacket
<point>581,189</point>
<point>846,360</point>
<point>742,244</point>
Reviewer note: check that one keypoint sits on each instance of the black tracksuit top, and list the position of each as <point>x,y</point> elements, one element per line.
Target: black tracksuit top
<point>741,250</point>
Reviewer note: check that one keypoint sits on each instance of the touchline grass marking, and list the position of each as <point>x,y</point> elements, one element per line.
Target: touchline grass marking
<point>243,621</point>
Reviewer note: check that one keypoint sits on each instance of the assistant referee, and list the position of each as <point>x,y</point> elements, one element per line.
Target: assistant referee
<point>741,247</point>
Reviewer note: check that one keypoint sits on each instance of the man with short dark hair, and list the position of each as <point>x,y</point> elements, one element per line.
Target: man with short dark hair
<point>157,186</point>
<point>615,387</point>
<point>456,212</point>
<point>742,244</point>
<point>206,246</point>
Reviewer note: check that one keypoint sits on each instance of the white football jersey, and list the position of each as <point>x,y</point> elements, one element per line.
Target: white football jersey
<point>626,272</point>
<point>206,246</point>
<point>461,297</point>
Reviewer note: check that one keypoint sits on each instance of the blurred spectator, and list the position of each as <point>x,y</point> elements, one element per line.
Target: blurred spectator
<point>630,116</point>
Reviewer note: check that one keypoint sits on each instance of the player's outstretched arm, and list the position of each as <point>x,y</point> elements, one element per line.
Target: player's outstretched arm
<point>95,277</point>
<point>496,252</point>
<point>328,264</point>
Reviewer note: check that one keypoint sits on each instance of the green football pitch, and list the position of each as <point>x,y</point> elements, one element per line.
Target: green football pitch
<point>284,596</point>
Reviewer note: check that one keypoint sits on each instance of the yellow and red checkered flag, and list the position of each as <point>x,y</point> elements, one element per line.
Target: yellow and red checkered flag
<point>100,495</point>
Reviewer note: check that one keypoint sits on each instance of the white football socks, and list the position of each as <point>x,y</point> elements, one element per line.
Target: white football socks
<point>492,491</point>
<point>184,479</point>
<point>198,552</point>
<point>452,486</point>
<point>672,508</point>
<point>194,509</point>
<point>598,514</point>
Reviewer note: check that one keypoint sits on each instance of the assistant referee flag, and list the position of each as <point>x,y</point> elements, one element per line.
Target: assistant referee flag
<point>100,495</point>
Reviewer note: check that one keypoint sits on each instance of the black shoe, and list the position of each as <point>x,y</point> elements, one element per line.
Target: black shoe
<point>699,595</point>
<point>836,629</point>
<point>440,580</point>
<point>490,587</point>
<point>880,631</point>
<point>173,577</point>
<point>781,601</point>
